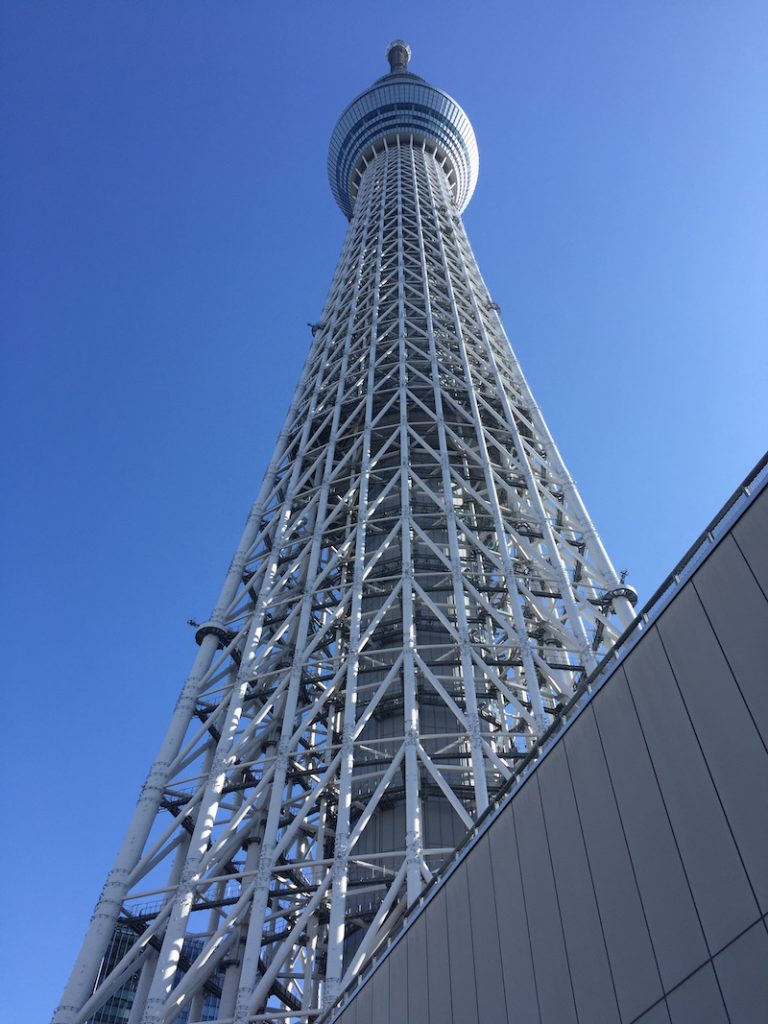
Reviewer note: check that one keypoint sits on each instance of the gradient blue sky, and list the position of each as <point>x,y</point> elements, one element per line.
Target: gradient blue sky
<point>167,232</point>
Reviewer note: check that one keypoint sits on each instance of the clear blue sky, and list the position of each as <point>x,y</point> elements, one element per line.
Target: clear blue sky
<point>167,232</point>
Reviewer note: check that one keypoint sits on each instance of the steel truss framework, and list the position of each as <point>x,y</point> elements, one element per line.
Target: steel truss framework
<point>417,591</point>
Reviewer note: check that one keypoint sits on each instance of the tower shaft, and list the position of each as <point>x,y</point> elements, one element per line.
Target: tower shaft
<point>418,591</point>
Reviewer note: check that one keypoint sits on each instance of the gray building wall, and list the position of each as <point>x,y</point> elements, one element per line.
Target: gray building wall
<point>626,878</point>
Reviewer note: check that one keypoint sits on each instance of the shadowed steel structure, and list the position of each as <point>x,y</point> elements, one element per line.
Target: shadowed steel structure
<point>417,593</point>
<point>621,875</point>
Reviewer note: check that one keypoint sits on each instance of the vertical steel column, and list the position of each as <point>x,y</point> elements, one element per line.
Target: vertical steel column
<point>413,839</point>
<point>513,593</point>
<point>252,950</point>
<point>336,926</point>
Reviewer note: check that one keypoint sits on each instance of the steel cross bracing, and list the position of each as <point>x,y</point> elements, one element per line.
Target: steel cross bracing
<point>417,592</point>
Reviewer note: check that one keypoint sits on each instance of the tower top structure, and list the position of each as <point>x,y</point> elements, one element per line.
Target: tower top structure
<point>401,106</point>
<point>398,54</point>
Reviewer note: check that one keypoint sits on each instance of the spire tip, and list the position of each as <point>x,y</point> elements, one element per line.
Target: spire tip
<point>398,55</point>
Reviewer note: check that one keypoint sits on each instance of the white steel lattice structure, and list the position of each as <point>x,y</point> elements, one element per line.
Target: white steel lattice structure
<point>417,592</point>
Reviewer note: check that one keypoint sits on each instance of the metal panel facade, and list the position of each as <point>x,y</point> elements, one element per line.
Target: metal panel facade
<point>717,709</point>
<point>626,878</point>
<point>670,912</point>
<point>461,959</point>
<point>750,533</point>
<point>737,609</point>
<point>512,916</point>
<point>593,986</point>
<point>626,930</point>
<point>743,977</point>
<point>706,844</point>
<point>698,999</point>
<point>544,922</point>
<point>659,1014</point>
<point>491,1001</point>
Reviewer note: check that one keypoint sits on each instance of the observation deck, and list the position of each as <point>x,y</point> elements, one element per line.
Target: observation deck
<point>401,106</point>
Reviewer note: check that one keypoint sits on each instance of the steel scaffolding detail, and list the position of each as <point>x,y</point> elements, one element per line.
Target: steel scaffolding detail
<point>417,592</point>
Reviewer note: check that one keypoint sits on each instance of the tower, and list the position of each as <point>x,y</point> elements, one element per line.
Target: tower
<point>417,592</point>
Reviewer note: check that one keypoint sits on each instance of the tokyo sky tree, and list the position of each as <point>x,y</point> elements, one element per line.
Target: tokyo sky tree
<point>417,592</point>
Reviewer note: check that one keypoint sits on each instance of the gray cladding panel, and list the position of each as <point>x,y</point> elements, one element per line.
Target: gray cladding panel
<point>491,1002</point>
<point>698,999</point>
<point>511,913</point>
<point>719,884</point>
<point>380,982</point>
<point>656,1015</point>
<point>626,933</point>
<point>738,612</point>
<point>669,908</point>
<point>438,974</point>
<point>418,1002</point>
<point>553,975</point>
<point>365,1005</point>
<point>718,711</point>
<point>750,534</point>
<point>398,981</point>
<point>350,1014</point>
<point>462,961</point>
<point>587,956</point>
<point>742,970</point>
